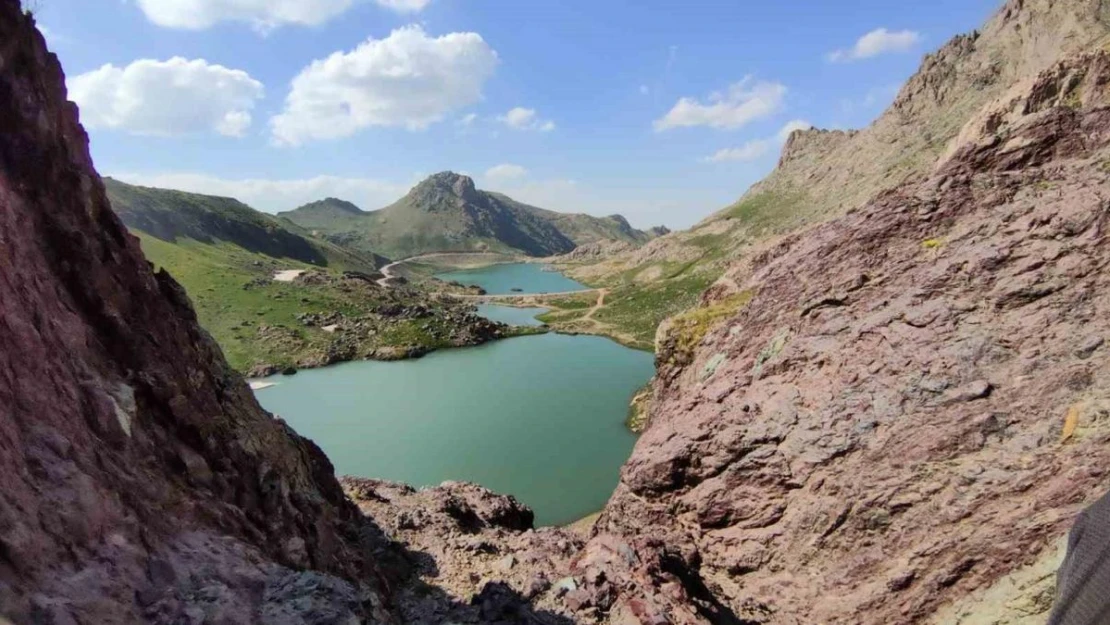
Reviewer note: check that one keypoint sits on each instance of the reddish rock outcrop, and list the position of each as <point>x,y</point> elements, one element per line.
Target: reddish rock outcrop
<point>916,400</point>
<point>139,479</point>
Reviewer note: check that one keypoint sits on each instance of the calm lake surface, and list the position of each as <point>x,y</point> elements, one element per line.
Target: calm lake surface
<point>537,417</point>
<point>502,279</point>
<point>510,315</point>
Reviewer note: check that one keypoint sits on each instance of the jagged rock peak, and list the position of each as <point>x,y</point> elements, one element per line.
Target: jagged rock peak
<point>812,143</point>
<point>449,181</point>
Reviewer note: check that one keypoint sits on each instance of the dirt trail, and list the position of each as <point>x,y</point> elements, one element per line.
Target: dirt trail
<point>601,293</point>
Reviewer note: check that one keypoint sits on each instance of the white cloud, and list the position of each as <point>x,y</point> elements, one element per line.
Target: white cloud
<point>53,37</point>
<point>789,128</point>
<point>743,103</point>
<point>466,121</point>
<point>404,6</point>
<point>263,15</point>
<point>167,98</point>
<point>272,195</point>
<point>876,42</point>
<point>750,151</point>
<point>872,101</point>
<point>756,148</point>
<point>408,79</point>
<point>521,118</point>
<point>505,172</point>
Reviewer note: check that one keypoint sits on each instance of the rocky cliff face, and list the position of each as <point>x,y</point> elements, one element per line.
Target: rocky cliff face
<point>139,480</point>
<point>915,401</point>
<point>833,171</point>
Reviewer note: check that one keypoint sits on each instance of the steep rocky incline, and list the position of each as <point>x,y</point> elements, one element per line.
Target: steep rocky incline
<point>830,171</point>
<point>139,480</point>
<point>823,173</point>
<point>915,401</point>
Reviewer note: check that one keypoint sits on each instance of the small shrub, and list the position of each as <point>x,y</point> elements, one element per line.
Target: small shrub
<point>689,328</point>
<point>932,244</point>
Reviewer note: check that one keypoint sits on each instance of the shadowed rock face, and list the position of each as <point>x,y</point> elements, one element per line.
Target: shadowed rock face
<point>139,479</point>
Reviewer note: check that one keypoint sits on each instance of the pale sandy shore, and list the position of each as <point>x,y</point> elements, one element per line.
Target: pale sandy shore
<point>583,527</point>
<point>258,385</point>
<point>288,275</point>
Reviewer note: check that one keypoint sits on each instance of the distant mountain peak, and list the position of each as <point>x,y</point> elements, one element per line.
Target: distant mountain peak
<point>336,204</point>
<point>343,205</point>
<point>445,212</point>
<point>458,184</point>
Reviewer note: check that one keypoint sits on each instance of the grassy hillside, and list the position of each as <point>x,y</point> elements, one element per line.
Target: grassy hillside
<point>172,215</point>
<point>226,255</point>
<point>446,213</point>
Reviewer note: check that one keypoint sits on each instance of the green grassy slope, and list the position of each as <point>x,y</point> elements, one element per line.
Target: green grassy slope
<point>171,215</point>
<point>226,255</point>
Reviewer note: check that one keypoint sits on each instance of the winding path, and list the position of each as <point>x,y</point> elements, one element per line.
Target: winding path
<point>387,270</point>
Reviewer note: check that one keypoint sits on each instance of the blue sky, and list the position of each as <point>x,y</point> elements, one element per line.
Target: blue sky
<point>664,111</point>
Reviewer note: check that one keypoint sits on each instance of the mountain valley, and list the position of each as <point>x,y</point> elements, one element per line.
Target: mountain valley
<point>881,387</point>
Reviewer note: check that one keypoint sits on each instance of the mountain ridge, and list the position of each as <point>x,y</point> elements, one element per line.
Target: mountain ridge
<point>170,215</point>
<point>446,212</point>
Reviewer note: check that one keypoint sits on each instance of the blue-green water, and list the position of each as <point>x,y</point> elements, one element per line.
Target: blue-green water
<point>502,279</point>
<point>510,315</point>
<point>538,417</point>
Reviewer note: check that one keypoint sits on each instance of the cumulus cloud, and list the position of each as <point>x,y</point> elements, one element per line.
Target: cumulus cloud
<point>505,172</point>
<point>742,103</point>
<point>404,6</point>
<point>876,42</point>
<point>756,148</point>
<point>167,98</point>
<point>263,15</point>
<point>789,128</point>
<point>408,79</point>
<point>274,195</point>
<point>521,118</point>
<point>875,98</point>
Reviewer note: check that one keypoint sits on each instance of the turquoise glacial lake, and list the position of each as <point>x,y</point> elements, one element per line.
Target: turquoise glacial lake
<point>537,417</point>
<point>502,279</point>
<point>510,315</point>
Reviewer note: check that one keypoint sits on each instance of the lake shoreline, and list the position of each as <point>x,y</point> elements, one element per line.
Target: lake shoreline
<point>404,353</point>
